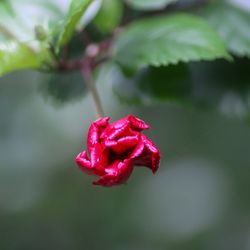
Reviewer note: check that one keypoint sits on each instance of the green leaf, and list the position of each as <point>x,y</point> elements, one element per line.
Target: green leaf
<point>232,23</point>
<point>109,16</point>
<point>76,10</point>
<point>15,56</point>
<point>167,40</point>
<point>151,85</point>
<point>149,4</point>
<point>60,88</point>
<point>218,85</point>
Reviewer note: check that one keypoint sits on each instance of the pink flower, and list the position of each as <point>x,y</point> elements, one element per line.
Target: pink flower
<point>114,149</point>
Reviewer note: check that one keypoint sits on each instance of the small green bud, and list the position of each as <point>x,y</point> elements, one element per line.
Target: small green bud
<point>40,33</point>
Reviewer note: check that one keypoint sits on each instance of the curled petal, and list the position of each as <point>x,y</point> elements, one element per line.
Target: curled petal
<point>84,163</point>
<point>137,123</point>
<point>122,144</point>
<point>115,129</point>
<point>102,122</point>
<point>144,160</point>
<point>153,152</point>
<point>95,130</point>
<point>138,150</point>
<point>116,174</point>
<point>99,158</point>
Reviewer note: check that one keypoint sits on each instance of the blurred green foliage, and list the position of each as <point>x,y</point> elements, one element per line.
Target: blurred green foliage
<point>144,48</point>
<point>149,5</point>
<point>232,23</point>
<point>109,16</point>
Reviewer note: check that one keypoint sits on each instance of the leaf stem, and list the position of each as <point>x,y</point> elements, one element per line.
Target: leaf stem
<point>88,77</point>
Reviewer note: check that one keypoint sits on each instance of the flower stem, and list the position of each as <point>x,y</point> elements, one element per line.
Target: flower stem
<point>88,77</point>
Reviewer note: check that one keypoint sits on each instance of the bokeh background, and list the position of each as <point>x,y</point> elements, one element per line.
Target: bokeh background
<point>198,200</point>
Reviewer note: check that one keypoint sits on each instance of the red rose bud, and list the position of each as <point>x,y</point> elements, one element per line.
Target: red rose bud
<point>114,149</point>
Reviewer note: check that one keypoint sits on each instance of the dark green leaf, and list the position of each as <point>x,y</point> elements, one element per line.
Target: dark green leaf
<point>167,40</point>
<point>109,15</point>
<point>63,87</point>
<point>149,4</point>
<point>15,56</point>
<point>150,85</point>
<point>232,23</point>
<point>219,85</point>
<point>76,10</point>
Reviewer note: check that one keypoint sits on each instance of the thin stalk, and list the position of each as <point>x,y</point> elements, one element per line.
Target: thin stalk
<point>87,75</point>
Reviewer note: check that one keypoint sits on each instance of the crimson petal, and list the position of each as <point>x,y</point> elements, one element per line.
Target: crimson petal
<point>99,158</point>
<point>122,144</point>
<point>84,163</point>
<point>137,150</point>
<point>115,129</point>
<point>116,174</point>
<point>95,130</point>
<point>154,153</point>
<point>137,123</point>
